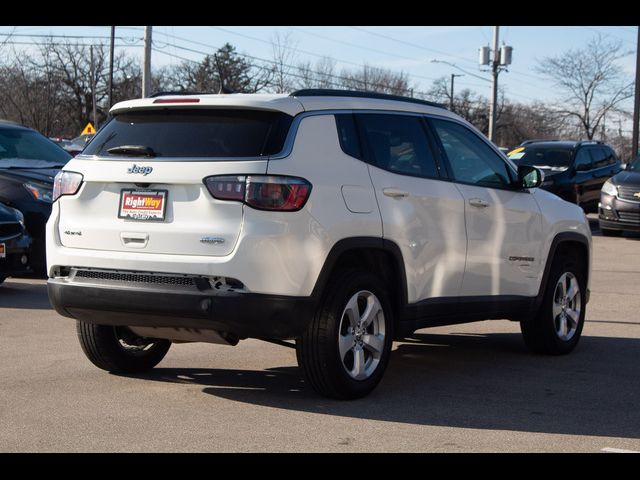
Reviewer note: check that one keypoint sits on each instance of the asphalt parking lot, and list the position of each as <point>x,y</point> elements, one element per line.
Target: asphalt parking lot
<point>465,388</point>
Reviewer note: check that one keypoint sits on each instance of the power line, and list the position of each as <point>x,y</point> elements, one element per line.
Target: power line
<point>422,47</point>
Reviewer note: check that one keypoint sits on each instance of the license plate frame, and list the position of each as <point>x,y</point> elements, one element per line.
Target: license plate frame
<point>141,213</point>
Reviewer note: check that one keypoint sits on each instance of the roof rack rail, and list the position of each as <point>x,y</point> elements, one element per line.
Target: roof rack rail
<point>328,92</point>
<point>536,140</point>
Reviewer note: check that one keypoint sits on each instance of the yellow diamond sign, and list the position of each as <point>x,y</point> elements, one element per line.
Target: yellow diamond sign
<point>88,129</point>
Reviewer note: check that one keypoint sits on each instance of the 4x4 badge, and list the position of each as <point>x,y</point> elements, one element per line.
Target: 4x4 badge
<point>143,170</point>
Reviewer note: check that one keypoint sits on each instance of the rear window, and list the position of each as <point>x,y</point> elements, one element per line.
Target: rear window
<point>195,133</point>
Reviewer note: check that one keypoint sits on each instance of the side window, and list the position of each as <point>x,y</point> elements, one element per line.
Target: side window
<point>583,160</point>
<point>398,144</point>
<point>470,158</point>
<point>348,135</point>
<point>600,157</point>
<point>611,155</point>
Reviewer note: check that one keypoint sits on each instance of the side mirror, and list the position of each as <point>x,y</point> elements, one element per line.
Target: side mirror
<point>625,166</point>
<point>529,177</point>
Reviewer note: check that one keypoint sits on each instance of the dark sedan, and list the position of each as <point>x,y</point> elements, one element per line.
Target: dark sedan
<point>619,207</point>
<point>15,244</point>
<point>28,163</point>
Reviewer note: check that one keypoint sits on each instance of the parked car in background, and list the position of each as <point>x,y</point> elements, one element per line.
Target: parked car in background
<point>619,207</point>
<point>29,162</point>
<point>14,244</point>
<point>574,170</point>
<point>68,145</point>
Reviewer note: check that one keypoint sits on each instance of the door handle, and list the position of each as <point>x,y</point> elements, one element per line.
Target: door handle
<point>395,193</point>
<point>477,202</point>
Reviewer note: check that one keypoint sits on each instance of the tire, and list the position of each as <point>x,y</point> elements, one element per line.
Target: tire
<point>340,357</point>
<point>557,327</point>
<point>610,233</point>
<point>118,349</point>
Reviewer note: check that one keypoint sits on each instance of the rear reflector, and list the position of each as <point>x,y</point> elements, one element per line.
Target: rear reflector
<point>262,192</point>
<point>177,100</point>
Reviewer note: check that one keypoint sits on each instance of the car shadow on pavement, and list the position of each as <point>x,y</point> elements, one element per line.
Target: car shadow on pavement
<point>466,381</point>
<point>24,295</point>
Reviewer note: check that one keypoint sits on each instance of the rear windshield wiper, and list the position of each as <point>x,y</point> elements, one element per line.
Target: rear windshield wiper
<point>132,150</point>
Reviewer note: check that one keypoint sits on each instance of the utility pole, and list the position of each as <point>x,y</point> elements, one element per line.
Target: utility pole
<point>636,105</point>
<point>453,76</point>
<point>501,59</point>
<point>146,72</point>
<point>113,35</point>
<point>93,89</point>
<point>494,85</point>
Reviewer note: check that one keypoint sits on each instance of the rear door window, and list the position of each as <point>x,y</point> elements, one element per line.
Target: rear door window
<point>196,133</point>
<point>398,143</point>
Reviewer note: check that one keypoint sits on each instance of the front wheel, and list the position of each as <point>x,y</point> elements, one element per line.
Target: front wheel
<point>118,349</point>
<point>557,327</point>
<point>346,347</point>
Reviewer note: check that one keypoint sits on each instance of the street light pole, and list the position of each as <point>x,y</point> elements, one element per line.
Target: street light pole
<point>453,76</point>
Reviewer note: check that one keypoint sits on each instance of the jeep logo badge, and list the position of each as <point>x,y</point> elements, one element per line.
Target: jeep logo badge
<point>143,170</point>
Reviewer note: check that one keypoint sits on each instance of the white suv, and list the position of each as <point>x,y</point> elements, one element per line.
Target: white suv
<point>342,220</point>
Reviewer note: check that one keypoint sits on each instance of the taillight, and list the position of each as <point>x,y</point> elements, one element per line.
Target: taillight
<point>66,183</point>
<point>262,192</point>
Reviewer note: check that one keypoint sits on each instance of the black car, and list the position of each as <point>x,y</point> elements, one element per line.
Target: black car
<point>574,170</point>
<point>15,244</point>
<point>619,208</point>
<point>29,162</point>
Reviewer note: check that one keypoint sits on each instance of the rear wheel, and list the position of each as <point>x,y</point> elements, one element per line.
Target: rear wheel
<point>346,348</point>
<point>557,327</point>
<point>118,349</point>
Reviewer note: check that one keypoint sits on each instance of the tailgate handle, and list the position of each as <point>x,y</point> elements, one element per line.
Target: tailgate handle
<point>134,240</point>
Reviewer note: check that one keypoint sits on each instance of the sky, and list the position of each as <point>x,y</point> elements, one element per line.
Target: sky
<point>411,50</point>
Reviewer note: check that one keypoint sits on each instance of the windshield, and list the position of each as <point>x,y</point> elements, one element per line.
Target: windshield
<point>193,133</point>
<point>634,166</point>
<point>26,148</point>
<point>553,158</point>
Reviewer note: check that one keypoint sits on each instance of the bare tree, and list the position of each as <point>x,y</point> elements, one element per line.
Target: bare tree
<point>591,80</point>
<point>377,79</point>
<point>284,52</point>
<point>322,74</point>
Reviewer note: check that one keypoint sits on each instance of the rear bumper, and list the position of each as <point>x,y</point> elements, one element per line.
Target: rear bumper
<point>245,315</point>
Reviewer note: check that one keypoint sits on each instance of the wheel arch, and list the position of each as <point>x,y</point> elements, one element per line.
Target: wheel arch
<point>377,255</point>
<point>565,241</point>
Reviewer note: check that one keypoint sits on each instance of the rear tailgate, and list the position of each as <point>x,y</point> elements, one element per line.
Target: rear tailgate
<point>143,178</point>
<point>194,222</point>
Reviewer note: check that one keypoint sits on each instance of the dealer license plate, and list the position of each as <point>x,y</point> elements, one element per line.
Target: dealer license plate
<point>143,204</point>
